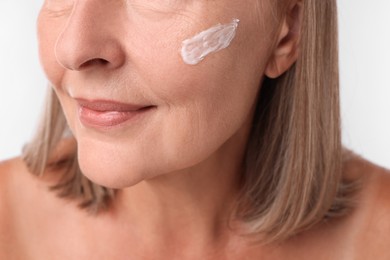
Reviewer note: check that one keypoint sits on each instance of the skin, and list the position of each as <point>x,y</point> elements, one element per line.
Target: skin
<point>56,229</point>
<point>177,167</point>
<point>130,53</point>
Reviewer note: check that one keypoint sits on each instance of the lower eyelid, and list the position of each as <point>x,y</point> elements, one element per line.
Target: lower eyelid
<point>57,12</point>
<point>57,8</point>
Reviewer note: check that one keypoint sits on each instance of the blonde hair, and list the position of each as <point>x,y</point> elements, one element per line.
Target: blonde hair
<point>293,167</point>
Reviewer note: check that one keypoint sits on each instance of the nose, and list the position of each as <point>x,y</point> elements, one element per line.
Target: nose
<point>91,37</point>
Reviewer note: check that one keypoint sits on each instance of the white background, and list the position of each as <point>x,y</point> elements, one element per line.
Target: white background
<point>365,81</point>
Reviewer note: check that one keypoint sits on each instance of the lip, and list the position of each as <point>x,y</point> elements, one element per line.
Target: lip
<point>106,114</point>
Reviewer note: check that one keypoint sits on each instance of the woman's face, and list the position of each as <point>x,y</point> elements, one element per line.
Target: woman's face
<point>100,55</point>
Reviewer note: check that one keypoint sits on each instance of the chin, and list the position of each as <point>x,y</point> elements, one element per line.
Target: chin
<point>123,163</point>
<point>110,177</point>
<point>111,170</point>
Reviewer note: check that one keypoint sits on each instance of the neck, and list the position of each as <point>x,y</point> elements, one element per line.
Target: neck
<point>187,208</point>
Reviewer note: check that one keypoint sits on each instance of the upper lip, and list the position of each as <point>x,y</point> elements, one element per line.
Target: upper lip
<point>109,105</point>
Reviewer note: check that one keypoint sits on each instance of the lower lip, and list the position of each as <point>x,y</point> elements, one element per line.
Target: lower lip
<point>109,119</point>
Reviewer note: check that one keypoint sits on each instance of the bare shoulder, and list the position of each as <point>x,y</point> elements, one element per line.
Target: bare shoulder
<point>372,230</point>
<point>19,186</point>
<point>10,166</point>
<point>25,204</point>
<point>10,171</point>
<point>13,177</point>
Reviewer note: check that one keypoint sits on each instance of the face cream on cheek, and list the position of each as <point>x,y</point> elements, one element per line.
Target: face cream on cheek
<point>216,38</point>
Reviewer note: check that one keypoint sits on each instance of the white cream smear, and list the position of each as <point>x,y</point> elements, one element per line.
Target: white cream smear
<point>216,38</point>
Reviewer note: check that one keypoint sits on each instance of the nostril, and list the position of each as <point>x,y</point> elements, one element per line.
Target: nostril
<point>94,62</point>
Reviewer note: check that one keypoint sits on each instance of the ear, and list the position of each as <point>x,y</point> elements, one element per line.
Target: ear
<point>287,46</point>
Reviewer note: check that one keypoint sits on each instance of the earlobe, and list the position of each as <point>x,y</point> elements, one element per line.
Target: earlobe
<point>279,64</point>
<point>287,48</point>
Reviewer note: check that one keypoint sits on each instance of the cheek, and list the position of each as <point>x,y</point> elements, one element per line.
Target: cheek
<point>205,105</point>
<point>224,81</point>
